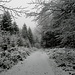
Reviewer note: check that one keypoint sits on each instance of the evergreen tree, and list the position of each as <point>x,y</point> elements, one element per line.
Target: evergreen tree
<point>15,28</point>
<point>48,40</point>
<point>36,40</point>
<point>24,32</point>
<point>30,36</point>
<point>6,23</point>
<point>58,17</point>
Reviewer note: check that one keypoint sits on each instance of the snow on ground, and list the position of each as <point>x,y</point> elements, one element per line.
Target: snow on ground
<point>37,63</point>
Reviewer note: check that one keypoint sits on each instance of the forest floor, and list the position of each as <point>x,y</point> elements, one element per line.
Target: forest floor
<point>38,63</point>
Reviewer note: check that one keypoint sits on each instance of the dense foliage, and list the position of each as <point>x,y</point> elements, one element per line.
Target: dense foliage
<point>48,40</point>
<point>6,23</point>
<point>24,32</point>
<point>57,17</point>
<point>30,36</point>
<point>12,42</point>
<point>15,28</point>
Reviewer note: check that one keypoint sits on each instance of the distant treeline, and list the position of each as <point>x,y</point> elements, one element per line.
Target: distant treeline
<point>11,35</point>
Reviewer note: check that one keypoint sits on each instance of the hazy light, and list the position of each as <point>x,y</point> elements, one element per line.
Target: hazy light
<point>21,20</point>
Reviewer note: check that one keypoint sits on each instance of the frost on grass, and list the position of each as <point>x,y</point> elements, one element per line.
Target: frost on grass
<point>11,57</point>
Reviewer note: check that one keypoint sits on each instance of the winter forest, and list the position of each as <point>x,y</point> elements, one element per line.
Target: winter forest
<point>54,35</point>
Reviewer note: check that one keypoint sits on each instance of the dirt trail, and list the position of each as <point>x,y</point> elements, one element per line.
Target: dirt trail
<point>36,64</point>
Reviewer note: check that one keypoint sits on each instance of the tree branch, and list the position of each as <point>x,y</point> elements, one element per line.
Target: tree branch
<point>18,11</point>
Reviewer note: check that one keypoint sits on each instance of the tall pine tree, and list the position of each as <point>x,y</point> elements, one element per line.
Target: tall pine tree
<point>6,23</point>
<point>24,32</point>
<point>15,28</point>
<point>57,17</point>
<point>30,36</point>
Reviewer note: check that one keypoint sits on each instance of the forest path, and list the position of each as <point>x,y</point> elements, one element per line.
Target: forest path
<point>35,64</point>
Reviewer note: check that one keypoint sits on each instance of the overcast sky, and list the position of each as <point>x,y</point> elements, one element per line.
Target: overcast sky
<point>21,20</point>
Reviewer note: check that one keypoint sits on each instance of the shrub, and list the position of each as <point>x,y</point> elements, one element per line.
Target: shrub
<point>37,45</point>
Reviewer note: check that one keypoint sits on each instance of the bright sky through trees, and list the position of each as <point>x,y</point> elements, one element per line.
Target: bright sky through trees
<point>21,20</point>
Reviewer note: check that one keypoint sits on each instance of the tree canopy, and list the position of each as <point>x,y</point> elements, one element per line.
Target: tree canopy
<point>24,31</point>
<point>14,11</point>
<point>6,22</point>
<point>30,36</point>
<point>57,17</point>
<point>15,28</point>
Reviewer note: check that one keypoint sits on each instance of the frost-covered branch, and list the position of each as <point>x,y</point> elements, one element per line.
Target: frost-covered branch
<point>17,11</point>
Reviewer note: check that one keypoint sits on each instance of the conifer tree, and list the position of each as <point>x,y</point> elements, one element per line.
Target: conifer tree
<point>57,17</point>
<point>24,32</point>
<point>15,28</point>
<point>30,36</point>
<point>6,23</point>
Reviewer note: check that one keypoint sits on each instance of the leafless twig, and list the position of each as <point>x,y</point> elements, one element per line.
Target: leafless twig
<point>18,11</point>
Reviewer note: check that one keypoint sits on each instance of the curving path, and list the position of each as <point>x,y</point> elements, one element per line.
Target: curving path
<point>36,64</point>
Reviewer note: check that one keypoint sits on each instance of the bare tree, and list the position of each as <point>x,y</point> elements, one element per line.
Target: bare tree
<point>18,11</point>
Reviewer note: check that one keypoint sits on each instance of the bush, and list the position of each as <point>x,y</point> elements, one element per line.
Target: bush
<point>11,57</point>
<point>20,42</point>
<point>37,45</point>
<point>48,40</point>
<point>66,59</point>
<point>23,42</point>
